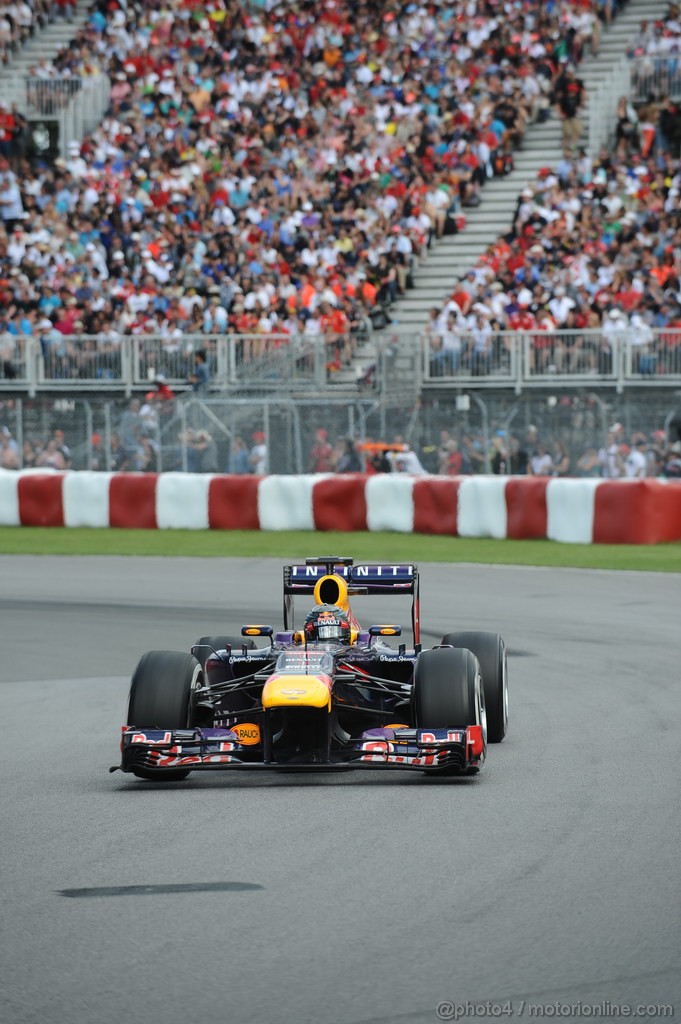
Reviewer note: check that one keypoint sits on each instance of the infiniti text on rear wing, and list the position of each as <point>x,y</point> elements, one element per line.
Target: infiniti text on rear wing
<point>397,579</point>
<point>361,579</point>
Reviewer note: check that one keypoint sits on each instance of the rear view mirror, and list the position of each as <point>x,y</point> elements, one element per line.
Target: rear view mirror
<point>385,631</point>
<point>256,631</point>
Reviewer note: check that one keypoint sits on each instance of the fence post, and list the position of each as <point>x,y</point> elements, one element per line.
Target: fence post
<point>485,426</point>
<point>183,432</point>
<point>88,427</point>
<point>319,362</point>
<point>32,348</point>
<point>297,440</point>
<point>107,435</point>
<point>266,431</point>
<point>127,364</point>
<point>516,364</point>
<point>19,429</point>
<point>221,360</point>
<point>619,345</point>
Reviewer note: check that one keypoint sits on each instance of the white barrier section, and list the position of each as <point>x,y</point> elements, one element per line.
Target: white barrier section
<point>570,508</point>
<point>390,502</point>
<point>285,502</point>
<point>482,507</point>
<point>9,498</point>
<point>85,498</point>
<point>182,501</point>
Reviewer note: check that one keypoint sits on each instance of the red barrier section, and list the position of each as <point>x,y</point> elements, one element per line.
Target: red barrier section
<point>233,503</point>
<point>664,509</point>
<point>640,512</point>
<point>436,501</point>
<point>526,507</point>
<point>40,500</point>
<point>339,503</point>
<point>132,501</point>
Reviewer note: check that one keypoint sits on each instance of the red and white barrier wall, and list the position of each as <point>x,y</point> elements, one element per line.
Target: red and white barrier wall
<point>572,511</point>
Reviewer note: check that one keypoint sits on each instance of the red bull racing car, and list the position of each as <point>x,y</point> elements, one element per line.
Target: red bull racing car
<point>326,695</point>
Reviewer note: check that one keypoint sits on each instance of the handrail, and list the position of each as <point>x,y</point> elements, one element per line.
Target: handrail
<point>271,363</point>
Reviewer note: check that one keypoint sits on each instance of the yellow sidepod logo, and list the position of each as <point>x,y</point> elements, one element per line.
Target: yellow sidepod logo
<point>248,733</point>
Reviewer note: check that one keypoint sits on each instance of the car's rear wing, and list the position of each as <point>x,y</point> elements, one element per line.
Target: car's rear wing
<point>366,579</point>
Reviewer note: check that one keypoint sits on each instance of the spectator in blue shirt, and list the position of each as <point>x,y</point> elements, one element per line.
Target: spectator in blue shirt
<point>200,375</point>
<point>238,457</point>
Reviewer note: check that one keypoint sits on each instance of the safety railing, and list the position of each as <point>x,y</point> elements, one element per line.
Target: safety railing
<point>492,355</point>
<point>76,102</point>
<point>603,100</point>
<point>558,358</point>
<point>483,359</point>
<point>655,75</point>
<point>269,361</point>
<point>14,355</point>
<point>653,359</point>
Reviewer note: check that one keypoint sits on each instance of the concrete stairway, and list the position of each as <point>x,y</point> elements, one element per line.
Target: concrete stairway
<point>450,258</point>
<point>43,46</point>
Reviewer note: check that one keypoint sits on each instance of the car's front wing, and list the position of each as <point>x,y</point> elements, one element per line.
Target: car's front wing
<point>436,750</point>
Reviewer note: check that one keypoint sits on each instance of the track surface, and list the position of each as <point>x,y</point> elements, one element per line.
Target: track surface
<point>552,876</point>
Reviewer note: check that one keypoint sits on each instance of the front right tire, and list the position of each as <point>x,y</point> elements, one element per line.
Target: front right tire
<point>160,698</point>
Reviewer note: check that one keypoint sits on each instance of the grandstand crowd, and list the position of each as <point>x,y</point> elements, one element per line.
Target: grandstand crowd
<point>280,170</point>
<point>594,251</point>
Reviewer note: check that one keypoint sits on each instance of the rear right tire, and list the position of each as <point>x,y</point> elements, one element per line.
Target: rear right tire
<point>219,643</point>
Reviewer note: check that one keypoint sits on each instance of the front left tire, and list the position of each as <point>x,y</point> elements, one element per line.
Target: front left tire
<point>448,694</point>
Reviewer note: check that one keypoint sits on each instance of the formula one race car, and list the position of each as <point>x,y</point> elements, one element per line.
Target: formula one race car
<point>328,695</point>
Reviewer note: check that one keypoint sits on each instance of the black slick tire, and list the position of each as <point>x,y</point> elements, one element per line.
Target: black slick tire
<point>448,693</point>
<point>490,651</point>
<point>160,695</point>
<point>205,646</point>
<point>447,690</point>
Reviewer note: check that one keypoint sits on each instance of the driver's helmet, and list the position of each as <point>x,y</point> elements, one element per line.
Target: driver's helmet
<point>328,622</point>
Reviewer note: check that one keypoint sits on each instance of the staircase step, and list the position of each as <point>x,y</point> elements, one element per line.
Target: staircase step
<point>43,44</point>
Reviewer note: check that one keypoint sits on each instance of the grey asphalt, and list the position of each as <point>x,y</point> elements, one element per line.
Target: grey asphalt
<point>552,877</point>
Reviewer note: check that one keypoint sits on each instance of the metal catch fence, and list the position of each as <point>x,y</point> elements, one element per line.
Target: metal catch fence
<point>276,434</point>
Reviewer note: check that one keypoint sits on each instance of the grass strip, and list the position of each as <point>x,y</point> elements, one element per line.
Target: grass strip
<point>376,547</point>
